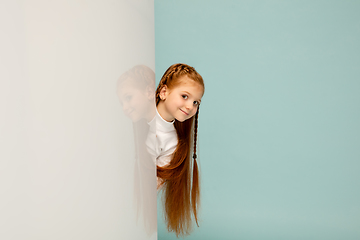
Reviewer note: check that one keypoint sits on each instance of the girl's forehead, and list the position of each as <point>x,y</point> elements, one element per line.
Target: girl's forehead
<point>185,81</point>
<point>191,87</point>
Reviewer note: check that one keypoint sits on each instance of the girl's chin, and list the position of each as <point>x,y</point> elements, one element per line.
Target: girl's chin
<point>180,120</point>
<point>183,119</point>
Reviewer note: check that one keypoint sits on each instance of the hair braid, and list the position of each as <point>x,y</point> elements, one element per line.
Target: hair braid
<point>195,132</point>
<point>195,193</point>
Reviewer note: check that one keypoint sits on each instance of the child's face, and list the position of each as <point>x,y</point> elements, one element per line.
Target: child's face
<point>182,101</point>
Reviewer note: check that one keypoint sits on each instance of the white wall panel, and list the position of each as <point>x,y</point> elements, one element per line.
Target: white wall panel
<point>67,154</point>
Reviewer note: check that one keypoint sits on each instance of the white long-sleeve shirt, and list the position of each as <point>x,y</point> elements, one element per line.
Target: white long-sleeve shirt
<point>162,140</point>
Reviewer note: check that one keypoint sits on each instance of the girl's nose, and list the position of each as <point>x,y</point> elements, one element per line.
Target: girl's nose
<point>189,107</point>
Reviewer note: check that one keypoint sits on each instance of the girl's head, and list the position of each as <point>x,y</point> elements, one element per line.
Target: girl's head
<point>179,92</point>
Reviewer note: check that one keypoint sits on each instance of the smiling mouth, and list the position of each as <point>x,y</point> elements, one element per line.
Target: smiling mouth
<point>184,112</point>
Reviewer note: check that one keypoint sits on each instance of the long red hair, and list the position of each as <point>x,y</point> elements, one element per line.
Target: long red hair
<point>180,179</point>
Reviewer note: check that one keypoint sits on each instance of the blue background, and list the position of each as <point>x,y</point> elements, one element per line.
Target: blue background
<point>279,122</point>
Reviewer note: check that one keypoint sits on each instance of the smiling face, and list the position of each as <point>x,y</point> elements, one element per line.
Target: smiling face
<point>180,102</point>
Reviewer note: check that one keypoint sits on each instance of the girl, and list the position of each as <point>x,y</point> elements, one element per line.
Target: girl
<point>172,142</point>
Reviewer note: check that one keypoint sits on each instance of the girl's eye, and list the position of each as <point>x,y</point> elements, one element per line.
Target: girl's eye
<point>184,96</point>
<point>196,103</point>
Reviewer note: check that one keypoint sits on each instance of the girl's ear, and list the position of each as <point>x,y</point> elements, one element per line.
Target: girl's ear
<point>164,92</point>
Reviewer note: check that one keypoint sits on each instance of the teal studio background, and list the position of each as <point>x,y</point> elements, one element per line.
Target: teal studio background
<point>279,122</point>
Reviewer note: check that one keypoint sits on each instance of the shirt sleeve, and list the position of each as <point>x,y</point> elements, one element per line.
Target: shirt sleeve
<point>162,161</point>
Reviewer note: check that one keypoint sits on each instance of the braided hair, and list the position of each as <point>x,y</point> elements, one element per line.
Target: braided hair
<point>180,179</point>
